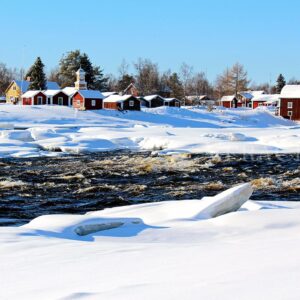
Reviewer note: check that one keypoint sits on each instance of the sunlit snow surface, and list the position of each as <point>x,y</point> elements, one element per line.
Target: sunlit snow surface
<point>167,250</point>
<point>52,130</point>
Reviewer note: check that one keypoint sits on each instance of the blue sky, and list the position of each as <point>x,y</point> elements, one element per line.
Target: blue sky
<point>210,35</point>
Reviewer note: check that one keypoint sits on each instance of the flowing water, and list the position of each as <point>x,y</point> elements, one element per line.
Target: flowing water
<point>77,184</point>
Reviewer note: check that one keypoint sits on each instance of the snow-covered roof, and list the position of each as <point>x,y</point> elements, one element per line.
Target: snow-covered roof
<point>118,98</point>
<point>70,91</point>
<point>24,85</point>
<point>267,98</point>
<point>51,92</point>
<point>151,97</point>
<point>256,93</point>
<point>227,98</point>
<point>291,91</point>
<point>30,94</point>
<point>91,94</point>
<point>107,94</point>
<point>171,99</point>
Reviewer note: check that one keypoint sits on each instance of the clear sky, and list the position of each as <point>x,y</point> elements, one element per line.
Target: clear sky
<point>264,35</point>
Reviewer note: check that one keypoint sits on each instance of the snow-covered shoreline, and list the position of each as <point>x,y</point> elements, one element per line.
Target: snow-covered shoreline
<point>164,250</point>
<point>52,130</point>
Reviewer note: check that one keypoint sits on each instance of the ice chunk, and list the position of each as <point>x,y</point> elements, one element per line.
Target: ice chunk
<point>225,202</point>
<point>92,228</point>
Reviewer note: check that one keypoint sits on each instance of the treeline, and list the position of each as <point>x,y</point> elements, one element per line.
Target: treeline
<point>146,75</point>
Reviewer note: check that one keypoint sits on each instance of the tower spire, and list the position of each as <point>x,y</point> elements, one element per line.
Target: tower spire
<point>80,83</point>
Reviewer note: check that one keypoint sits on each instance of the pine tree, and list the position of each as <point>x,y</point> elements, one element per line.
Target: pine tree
<point>37,75</point>
<point>124,82</point>
<point>280,83</point>
<point>71,62</point>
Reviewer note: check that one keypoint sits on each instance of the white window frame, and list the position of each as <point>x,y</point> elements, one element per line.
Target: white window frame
<point>93,102</point>
<point>40,100</point>
<point>290,113</point>
<point>60,99</point>
<point>290,105</point>
<point>78,102</point>
<point>131,103</point>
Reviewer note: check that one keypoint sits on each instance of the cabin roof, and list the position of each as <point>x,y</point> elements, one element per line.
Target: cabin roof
<point>91,94</point>
<point>31,93</point>
<point>291,91</point>
<point>118,98</point>
<point>228,98</point>
<point>151,97</point>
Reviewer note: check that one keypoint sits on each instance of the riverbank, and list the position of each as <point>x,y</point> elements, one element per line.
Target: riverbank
<point>54,130</point>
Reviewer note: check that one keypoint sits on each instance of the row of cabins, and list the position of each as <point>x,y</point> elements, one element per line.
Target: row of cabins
<point>82,98</point>
<point>287,103</point>
<point>90,99</point>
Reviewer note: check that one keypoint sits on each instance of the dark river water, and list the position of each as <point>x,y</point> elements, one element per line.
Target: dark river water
<point>77,184</point>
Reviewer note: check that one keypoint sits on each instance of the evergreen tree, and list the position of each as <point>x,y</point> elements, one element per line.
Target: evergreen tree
<point>71,62</point>
<point>124,82</point>
<point>280,83</point>
<point>37,76</point>
<point>172,81</point>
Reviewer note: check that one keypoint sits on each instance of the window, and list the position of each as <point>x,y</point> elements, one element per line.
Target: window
<point>40,100</point>
<point>78,102</point>
<point>60,101</point>
<point>290,113</point>
<point>290,104</point>
<point>93,103</point>
<point>14,87</point>
<point>131,103</point>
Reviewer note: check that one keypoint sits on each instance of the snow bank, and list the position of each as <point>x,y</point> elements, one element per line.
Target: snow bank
<point>157,251</point>
<point>164,129</point>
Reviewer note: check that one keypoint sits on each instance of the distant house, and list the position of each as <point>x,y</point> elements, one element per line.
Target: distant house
<point>88,100</point>
<point>70,92</point>
<point>265,100</point>
<point>34,98</point>
<point>229,101</point>
<point>165,92</point>
<point>244,99</point>
<point>131,90</point>
<point>57,97</point>
<point>152,101</point>
<point>125,102</point>
<point>172,102</point>
<point>289,103</point>
<point>18,87</point>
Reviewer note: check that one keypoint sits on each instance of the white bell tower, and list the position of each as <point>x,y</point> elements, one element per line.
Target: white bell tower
<point>80,83</point>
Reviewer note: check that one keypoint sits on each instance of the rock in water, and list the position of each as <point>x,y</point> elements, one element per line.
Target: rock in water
<point>228,201</point>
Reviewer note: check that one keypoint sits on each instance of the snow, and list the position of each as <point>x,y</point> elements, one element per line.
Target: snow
<point>151,97</point>
<point>51,92</point>
<point>38,130</point>
<point>70,91</point>
<point>269,98</point>
<point>162,250</point>
<point>30,94</point>
<point>117,98</point>
<point>227,98</point>
<point>290,91</point>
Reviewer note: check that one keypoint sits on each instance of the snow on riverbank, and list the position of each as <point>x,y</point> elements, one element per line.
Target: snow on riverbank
<point>168,250</point>
<point>164,129</point>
